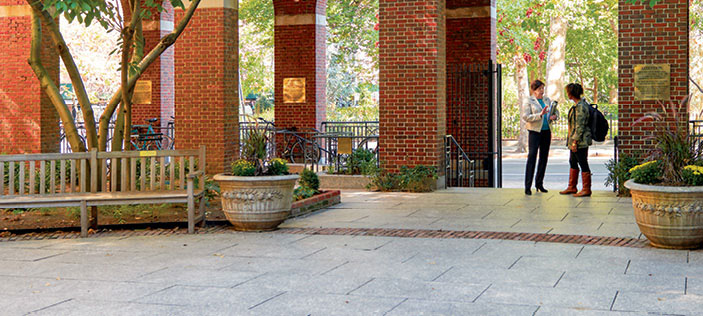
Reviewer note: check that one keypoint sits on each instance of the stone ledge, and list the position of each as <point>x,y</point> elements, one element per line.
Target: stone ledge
<point>343,182</point>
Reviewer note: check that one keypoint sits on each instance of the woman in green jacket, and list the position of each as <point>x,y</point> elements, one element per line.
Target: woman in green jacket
<point>578,140</point>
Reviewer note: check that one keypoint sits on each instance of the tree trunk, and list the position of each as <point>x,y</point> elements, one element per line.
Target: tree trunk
<point>522,83</point>
<point>556,66</point>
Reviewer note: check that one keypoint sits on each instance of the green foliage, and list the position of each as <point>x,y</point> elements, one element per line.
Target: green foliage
<point>301,193</point>
<point>361,161</point>
<point>647,173</point>
<point>102,12</point>
<point>693,175</point>
<point>243,168</point>
<point>309,179</point>
<point>417,179</point>
<point>277,167</point>
<point>619,172</point>
<point>650,2</point>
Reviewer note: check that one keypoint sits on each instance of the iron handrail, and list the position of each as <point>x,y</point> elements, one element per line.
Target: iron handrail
<point>461,157</point>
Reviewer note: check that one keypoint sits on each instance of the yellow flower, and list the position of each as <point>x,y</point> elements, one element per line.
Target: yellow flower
<point>644,165</point>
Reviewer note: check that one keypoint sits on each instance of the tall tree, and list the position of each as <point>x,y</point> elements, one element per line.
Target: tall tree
<point>126,18</point>
<point>556,55</point>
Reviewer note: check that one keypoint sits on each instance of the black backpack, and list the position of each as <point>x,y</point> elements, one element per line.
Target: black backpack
<point>597,123</point>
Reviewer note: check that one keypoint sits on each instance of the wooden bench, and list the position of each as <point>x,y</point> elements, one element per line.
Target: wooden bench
<point>87,180</point>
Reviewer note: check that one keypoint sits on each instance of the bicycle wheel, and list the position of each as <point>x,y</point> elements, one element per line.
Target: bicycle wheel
<point>369,143</point>
<point>297,153</point>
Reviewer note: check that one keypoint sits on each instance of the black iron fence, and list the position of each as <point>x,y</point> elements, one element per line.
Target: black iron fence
<point>162,137</point>
<point>560,128</point>
<point>460,170</point>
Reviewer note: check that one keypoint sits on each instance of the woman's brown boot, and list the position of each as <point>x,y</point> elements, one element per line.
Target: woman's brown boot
<point>586,190</point>
<point>573,181</point>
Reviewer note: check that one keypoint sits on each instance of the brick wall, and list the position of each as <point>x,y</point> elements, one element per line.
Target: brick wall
<point>412,83</point>
<point>28,120</point>
<point>300,52</point>
<point>648,35</point>
<point>206,85</point>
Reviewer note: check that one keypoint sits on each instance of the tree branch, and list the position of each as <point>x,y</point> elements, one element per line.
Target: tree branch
<point>72,69</point>
<point>50,86</point>
<point>164,44</point>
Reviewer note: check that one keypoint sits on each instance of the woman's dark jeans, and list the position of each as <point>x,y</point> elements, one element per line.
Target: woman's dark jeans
<point>537,142</point>
<point>580,159</point>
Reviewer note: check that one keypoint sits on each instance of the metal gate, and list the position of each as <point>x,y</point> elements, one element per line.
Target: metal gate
<point>474,95</point>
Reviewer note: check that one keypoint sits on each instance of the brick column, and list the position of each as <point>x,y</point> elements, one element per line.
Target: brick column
<point>160,73</point>
<point>412,83</point>
<point>648,36</point>
<point>28,121</point>
<point>206,64</point>
<point>471,43</point>
<point>300,52</point>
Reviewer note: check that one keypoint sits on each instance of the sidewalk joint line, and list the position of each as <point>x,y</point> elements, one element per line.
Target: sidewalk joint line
<point>614,298</point>
<point>47,257</point>
<point>317,251</point>
<point>628,265</point>
<point>561,276</point>
<point>688,256</point>
<point>225,248</point>
<point>334,268</point>
<point>685,286</point>
<point>514,263</point>
<point>441,274</point>
<point>50,306</point>
<point>479,247</point>
<point>410,258</point>
<point>247,280</point>
<point>563,218</point>
<point>518,221</point>
<point>270,298</point>
<point>381,246</point>
<point>489,213</point>
<point>396,305</point>
<point>535,312</point>
<point>601,225</point>
<point>299,239</point>
<point>578,254</point>
<point>360,286</point>
<point>484,291</point>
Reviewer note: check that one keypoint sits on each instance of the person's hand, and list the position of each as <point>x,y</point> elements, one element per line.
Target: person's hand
<point>553,117</point>
<point>574,146</point>
<point>544,110</point>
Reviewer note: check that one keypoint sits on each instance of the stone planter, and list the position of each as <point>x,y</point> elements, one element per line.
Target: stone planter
<point>256,203</point>
<point>670,217</point>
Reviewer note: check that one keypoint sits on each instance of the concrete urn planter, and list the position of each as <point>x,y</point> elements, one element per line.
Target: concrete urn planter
<point>670,217</point>
<point>256,203</point>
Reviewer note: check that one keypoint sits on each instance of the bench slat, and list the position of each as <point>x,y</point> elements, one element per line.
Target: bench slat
<point>114,176</point>
<point>124,169</point>
<point>39,157</point>
<point>191,164</point>
<point>172,175</point>
<point>83,176</point>
<point>73,175</point>
<point>182,176</point>
<point>2,178</point>
<point>42,177</point>
<point>162,173</point>
<point>142,177</point>
<point>52,188</point>
<point>32,170</point>
<point>62,183</point>
<point>21,178</point>
<point>133,174</point>
<point>152,185</point>
<point>94,171</point>
<point>103,172</point>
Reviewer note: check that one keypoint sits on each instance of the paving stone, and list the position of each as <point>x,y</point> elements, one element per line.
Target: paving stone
<point>21,268</point>
<point>423,307</point>
<point>261,265</point>
<point>571,264</point>
<point>15,305</point>
<point>233,300</point>
<point>493,275</point>
<point>197,277</point>
<point>304,283</point>
<point>99,272</point>
<point>25,254</point>
<point>425,272</point>
<point>580,299</point>
<point>302,304</point>
<point>89,307</point>
<point>669,303</point>
<point>548,310</point>
<point>622,282</point>
<point>435,291</point>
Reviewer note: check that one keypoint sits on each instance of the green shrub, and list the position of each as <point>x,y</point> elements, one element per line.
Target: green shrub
<point>693,175</point>
<point>243,168</point>
<point>309,179</point>
<point>360,160</point>
<point>417,179</point>
<point>301,193</point>
<point>277,167</point>
<point>647,173</point>
<point>619,172</point>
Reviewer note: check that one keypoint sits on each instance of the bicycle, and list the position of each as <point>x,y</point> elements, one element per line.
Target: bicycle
<point>149,140</point>
<point>300,149</point>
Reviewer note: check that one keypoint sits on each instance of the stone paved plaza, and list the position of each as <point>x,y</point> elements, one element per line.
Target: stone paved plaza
<point>281,273</point>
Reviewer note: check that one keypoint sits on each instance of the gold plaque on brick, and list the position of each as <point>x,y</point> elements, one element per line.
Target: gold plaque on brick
<point>652,82</point>
<point>294,90</point>
<point>142,92</point>
<point>344,145</point>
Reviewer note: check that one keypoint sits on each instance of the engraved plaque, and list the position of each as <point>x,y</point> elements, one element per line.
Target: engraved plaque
<point>652,82</point>
<point>344,146</point>
<point>294,90</point>
<point>142,92</point>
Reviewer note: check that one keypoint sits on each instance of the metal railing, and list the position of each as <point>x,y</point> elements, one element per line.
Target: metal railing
<point>560,128</point>
<point>167,141</point>
<point>460,170</point>
<point>695,131</point>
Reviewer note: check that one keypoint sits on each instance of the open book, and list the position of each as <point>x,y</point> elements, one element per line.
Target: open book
<point>552,108</point>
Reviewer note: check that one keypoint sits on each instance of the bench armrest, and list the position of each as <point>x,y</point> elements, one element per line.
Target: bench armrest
<point>193,175</point>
